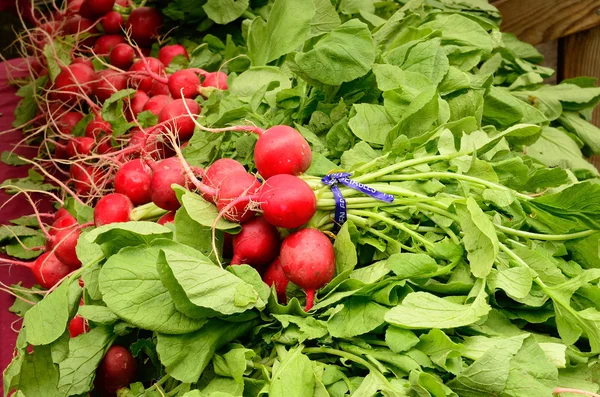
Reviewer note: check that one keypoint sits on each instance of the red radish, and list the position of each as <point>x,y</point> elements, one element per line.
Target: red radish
<point>85,61</point>
<point>68,121</point>
<point>176,112</point>
<point>168,52</point>
<point>133,180</point>
<point>63,220</point>
<point>159,88</point>
<point>78,326</point>
<point>73,7</point>
<point>165,174</point>
<point>169,217</point>
<point>112,208</point>
<point>64,245</point>
<point>117,369</point>
<point>98,127</point>
<point>100,7</point>
<point>235,186</point>
<point>308,260</point>
<point>85,177</point>
<point>274,276</point>
<point>77,24</point>
<point>107,83</point>
<point>184,82</point>
<point>287,201</point>
<point>140,78</point>
<point>136,105</point>
<point>151,144</point>
<point>216,80</point>
<point>156,104</point>
<point>104,145</point>
<point>282,150</point>
<point>256,245</point>
<point>122,55</point>
<point>85,10</point>
<point>48,270</point>
<point>218,171</point>
<point>113,23</point>
<point>80,146</point>
<point>104,44</point>
<point>144,24</point>
<point>73,80</point>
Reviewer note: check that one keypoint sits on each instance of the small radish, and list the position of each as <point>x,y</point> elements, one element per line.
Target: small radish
<point>86,11</point>
<point>113,23</point>
<point>136,104</point>
<point>73,7</point>
<point>107,83</point>
<point>165,174</point>
<point>282,150</point>
<point>80,146</point>
<point>68,121</point>
<point>77,24</point>
<point>100,7</point>
<point>64,245</point>
<point>104,145</point>
<point>256,245</point>
<point>98,127</point>
<point>218,171</point>
<point>308,260</point>
<point>152,146</point>
<point>78,326</point>
<point>158,88</point>
<point>133,180</point>
<point>157,103</point>
<point>85,61</point>
<point>234,188</point>
<point>86,177</point>
<point>73,80</point>
<point>48,270</point>
<point>168,52</point>
<point>274,276</point>
<point>177,113</point>
<point>169,217</point>
<point>287,201</point>
<point>64,222</point>
<point>140,78</point>
<point>122,55</point>
<point>112,208</point>
<point>144,24</point>
<point>184,82</point>
<point>104,44</point>
<point>216,80</point>
<point>117,369</point>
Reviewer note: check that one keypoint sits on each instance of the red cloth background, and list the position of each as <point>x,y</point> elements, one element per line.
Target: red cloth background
<point>11,209</point>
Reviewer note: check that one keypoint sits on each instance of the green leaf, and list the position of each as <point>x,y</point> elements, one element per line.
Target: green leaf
<point>428,59</point>
<point>325,18</point>
<point>11,158</point>
<point>86,351</point>
<point>115,236</point>
<point>205,213</point>
<point>186,356</point>
<point>245,86</point>
<point>346,257</point>
<point>112,111</point>
<point>38,375</point>
<point>358,316</point>
<point>34,181</point>
<point>411,265</point>
<point>47,321</point>
<point>516,281</point>
<point>57,54</point>
<point>588,132</point>
<point>28,106</point>
<point>344,54</point>
<point>287,28</point>
<point>132,289</point>
<point>371,123</point>
<point>98,314</point>
<point>225,11</point>
<point>462,31</point>
<point>308,327</point>
<point>293,377</point>
<point>399,339</point>
<point>20,306</point>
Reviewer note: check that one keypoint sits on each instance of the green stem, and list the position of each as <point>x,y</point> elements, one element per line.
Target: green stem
<point>405,164</point>
<point>545,237</point>
<point>390,240</point>
<point>393,223</point>
<point>80,271</point>
<point>146,211</point>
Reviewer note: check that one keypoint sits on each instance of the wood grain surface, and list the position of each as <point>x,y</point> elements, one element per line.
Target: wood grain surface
<point>538,21</point>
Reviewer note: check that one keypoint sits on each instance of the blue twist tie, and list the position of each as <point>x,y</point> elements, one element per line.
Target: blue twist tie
<point>333,180</point>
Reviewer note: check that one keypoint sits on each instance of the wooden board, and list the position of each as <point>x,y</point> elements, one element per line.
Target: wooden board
<point>538,21</point>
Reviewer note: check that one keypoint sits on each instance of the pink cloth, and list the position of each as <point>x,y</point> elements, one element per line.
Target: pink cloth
<point>15,208</point>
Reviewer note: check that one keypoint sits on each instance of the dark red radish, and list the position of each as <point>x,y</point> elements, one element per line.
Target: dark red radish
<point>169,217</point>
<point>282,150</point>
<point>117,369</point>
<point>85,177</point>
<point>63,220</point>
<point>122,55</point>
<point>78,326</point>
<point>216,80</point>
<point>184,82</point>
<point>104,44</point>
<point>151,144</point>
<point>85,61</point>
<point>66,122</point>
<point>158,88</point>
<point>133,180</point>
<point>98,127</point>
<point>107,83</point>
<point>112,208</point>
<point>140,79</point>
<point>256,245</point>
<point>144,25</point>
<point>64,245</point>
<point>48,270</point>
<point>157,103</point>
<point>308,260</point>
<point>165,174</point>
<point>168,52</point>
<point>100,7</point>
<point>218,171</point>
<point>80,146</point>
<point>72,81</point>
<point>274,276</point>
<point>73,7</point>
<point>135,105</point>
<point>227,245</point>
<point>104,145</point>
<point>113,23</point>
<point>234,187</point>
<point>287,201</point>
<point>180,121</point>
<point>76,25</point>
<point>85,10</point>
